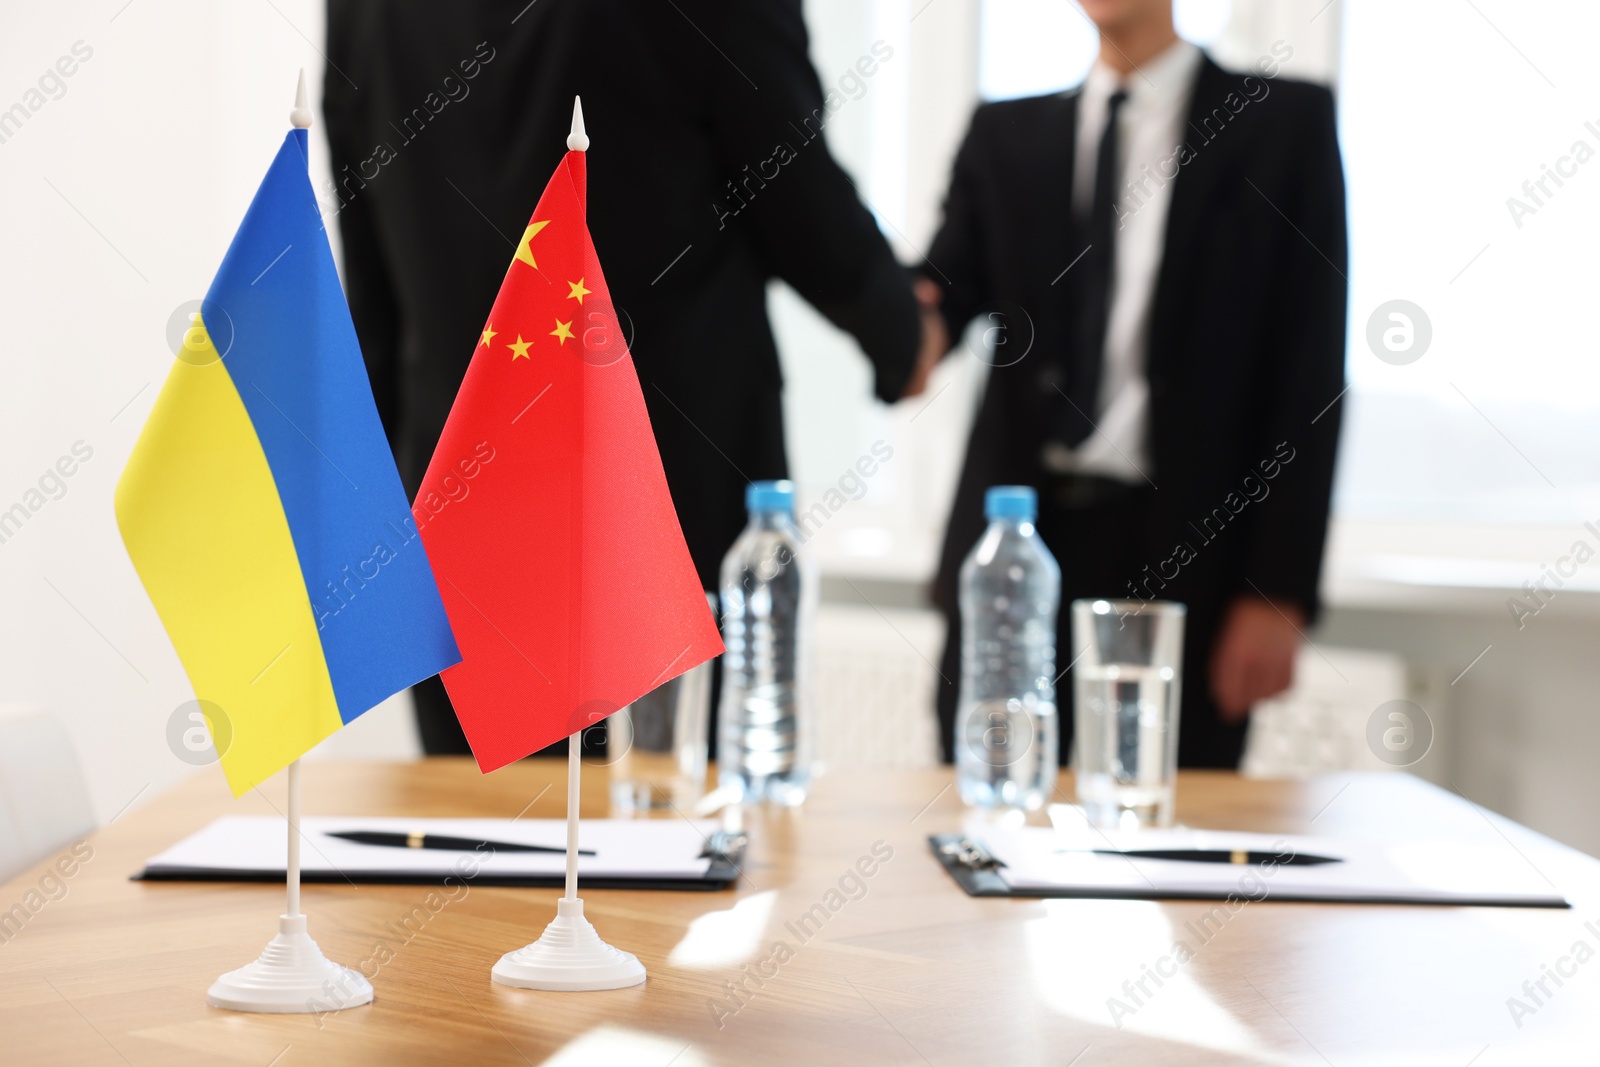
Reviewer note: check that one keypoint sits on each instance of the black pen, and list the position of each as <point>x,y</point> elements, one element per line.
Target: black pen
<point>1205,855</point>
<point>441,841</point>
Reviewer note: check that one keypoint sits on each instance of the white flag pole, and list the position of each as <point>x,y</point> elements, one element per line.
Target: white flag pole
<point>569,955</point>
<point>574,770</point>
<point>292,975</point>
<point>292,871</point>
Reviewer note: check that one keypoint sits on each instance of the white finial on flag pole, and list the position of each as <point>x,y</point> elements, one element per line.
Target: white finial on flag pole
<point>300,117</point>
<point>578,139</point>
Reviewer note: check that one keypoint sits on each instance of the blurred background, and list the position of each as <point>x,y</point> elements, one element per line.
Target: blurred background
<point>1464,477</point>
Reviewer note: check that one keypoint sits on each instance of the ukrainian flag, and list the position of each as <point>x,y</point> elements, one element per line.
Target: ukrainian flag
<point>262,508</point>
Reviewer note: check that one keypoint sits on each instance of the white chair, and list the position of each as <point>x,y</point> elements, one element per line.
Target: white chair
<point>44,800</point>
<point>1320,725</point>
<point>873,686</point>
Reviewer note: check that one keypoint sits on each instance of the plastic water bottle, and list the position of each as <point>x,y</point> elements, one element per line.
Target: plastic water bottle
<point>1005,730</point>
<point>764,743</point>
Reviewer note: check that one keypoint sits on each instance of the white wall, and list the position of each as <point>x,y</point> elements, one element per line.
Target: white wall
<point>1518,732</point>
<point>121,196</point>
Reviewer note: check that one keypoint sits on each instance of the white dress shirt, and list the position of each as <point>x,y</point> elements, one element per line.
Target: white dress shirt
<point>1150,126</point>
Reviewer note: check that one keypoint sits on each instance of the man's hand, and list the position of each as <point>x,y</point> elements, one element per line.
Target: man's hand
<point>935,338</point>
<point>1254,655</point>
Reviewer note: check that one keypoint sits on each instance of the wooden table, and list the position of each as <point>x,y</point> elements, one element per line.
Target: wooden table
<point>910,972</point>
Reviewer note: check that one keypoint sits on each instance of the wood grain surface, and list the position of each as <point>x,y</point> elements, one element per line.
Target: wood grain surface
<point>844,943</point>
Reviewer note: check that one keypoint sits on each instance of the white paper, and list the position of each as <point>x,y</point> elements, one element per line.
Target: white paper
<point>1423,871</point>
<point>624,848</point>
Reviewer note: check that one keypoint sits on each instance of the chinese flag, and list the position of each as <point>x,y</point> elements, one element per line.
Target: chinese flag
<point>545,511</point>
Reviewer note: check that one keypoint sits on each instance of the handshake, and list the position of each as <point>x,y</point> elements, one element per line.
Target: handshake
<point>935,337</point>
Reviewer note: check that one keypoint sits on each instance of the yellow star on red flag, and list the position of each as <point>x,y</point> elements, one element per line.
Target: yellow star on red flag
<point>578,292</point>
<point>488,335</point>
<point>562,331</point>
<point>519,348</point>
<point>525,246</point>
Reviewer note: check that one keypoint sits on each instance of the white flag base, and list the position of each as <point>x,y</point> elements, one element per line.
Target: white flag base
<point>569,956</point>
<point>292,975</point>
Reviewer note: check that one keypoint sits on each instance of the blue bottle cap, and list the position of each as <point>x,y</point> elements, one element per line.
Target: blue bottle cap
<point>769,496</point>
<point>1011,502</point>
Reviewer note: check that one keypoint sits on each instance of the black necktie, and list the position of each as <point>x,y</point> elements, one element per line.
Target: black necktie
<point>1092,307</point>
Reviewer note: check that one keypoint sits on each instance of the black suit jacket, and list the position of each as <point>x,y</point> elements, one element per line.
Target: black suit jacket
<point>1246,345</point>
<point>461,114</point>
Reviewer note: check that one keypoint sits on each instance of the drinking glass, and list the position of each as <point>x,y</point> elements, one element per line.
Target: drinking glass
<point>657,745</point>
<point>1127,660</point>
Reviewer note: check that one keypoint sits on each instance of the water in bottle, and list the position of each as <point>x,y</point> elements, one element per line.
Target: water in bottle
<point>1005,737</point>
<point>764,744</point>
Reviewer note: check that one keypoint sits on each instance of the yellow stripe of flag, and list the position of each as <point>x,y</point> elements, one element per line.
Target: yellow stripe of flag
<point>205,527</point>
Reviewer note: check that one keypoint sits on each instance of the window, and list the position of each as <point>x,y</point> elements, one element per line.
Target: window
<point>1027,47</point>
<point>1474,184</point>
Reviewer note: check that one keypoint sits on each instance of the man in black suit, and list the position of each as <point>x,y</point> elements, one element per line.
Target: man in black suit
<point>1163,254</point>
<point>708,176</point>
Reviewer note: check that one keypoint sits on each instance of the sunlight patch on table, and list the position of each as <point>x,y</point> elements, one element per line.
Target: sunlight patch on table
<point>724,938</point>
